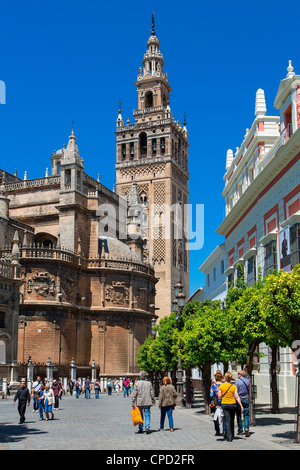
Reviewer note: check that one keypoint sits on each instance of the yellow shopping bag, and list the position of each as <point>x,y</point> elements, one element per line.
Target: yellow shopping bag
<point>136,416</point>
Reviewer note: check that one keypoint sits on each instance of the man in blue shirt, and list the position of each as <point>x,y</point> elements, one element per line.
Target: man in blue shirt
<point>243,387</point>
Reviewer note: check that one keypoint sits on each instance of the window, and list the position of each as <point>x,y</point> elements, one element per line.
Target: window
<point>222,267</point>
<point>149,99</point>
<point>153,146</point>
<point>162,145</point>
<point>295,244</point>
<point>270,256</point>
<point>2,320</point>
<point>123,151</point>
<point>230,280</point>
<point>143,144</point>
<point>214,274</point>
<point>207,280</point>
<point>67,179</point>
<point>251,271</point>
<point>131,150</point>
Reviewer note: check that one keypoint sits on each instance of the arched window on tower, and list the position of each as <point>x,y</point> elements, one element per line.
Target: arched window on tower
<point>149,99</point>
<point>143,144</point>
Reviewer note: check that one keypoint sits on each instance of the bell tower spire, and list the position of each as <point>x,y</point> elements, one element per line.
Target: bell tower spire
<point>152,159</point>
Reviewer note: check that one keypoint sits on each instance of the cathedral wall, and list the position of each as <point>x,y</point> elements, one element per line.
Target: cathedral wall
<point>33,203</point>
<point>116,350</point>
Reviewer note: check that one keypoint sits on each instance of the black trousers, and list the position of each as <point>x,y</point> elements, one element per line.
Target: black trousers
<point>21,410</point>
<point>229,414</point>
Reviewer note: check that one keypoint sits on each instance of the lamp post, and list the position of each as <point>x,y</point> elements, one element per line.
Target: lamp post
<point>178,305</point>
<point>297,433</point>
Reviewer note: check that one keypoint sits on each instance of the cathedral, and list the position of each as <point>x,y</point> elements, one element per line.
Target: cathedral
<point>78,283</point>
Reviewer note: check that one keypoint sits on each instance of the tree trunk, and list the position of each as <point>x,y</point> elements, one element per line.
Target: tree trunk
<point>174,378</point>
<point>188,396</point>
<point>156,384</point>
<point>251,351</point>
<point>206,378</point>
<point>274,388</point>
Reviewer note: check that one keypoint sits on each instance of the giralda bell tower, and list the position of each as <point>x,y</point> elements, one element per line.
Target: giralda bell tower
<point>152,160</point>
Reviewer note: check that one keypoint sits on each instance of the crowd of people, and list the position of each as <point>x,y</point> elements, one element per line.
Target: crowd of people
<point>230,400</point>
<point>45,398</point>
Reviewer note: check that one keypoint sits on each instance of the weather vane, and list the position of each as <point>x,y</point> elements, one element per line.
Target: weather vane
<point>73,122</point>
<point>120,105</point>
<point>153,24</point>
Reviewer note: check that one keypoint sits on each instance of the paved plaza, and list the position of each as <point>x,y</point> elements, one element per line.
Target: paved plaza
<point>105,424</point>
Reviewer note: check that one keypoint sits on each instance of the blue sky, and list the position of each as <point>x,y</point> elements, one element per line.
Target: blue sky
<point>65,60</point>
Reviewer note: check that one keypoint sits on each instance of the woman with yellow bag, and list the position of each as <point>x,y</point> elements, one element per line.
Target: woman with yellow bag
<point>143,397</point>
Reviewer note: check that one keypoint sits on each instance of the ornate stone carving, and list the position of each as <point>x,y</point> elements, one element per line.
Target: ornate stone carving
<point>42,284</point>
<point>117,293</point>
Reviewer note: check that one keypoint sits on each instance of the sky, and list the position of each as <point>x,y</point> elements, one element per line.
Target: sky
<point>73,60</point>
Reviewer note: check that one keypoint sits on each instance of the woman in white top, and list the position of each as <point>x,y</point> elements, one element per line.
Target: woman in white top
<point>48,398</point>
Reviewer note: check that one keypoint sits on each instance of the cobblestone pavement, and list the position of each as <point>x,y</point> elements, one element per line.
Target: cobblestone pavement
<point>105,424</point>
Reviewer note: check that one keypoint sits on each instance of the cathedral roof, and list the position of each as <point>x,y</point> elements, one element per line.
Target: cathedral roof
<point>113,248</point>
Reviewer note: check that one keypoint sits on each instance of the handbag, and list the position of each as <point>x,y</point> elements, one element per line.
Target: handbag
<point>136,416</point>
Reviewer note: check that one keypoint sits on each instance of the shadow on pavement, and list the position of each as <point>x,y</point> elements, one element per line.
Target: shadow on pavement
<point>16,433</point>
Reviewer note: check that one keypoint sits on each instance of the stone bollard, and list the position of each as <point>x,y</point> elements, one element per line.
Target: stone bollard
<point>4,388</point>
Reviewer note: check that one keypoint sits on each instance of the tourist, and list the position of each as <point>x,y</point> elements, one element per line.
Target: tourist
<point>130,386</point>
<point>34,393</point>
<point>166,403</point>
<point>109,386</point>
<point>97,388</point>
<point>216,403</point>
<point>48,398</point>
<point>143,397</point>
<point>229,397</point>
<point>56,390</point>
<point>87,387</point>
<point>118,386</point>
<point>71,387</point>
<point>41,402</point>
<point>243,388</point>
<point>23,396</point>
<point>78,388</point>
<point>126,384</point>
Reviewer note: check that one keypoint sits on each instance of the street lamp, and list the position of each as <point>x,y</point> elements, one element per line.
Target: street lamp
<point>178,305</point>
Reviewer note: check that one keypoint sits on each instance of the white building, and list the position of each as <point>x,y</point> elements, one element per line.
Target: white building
<point>261,228</point>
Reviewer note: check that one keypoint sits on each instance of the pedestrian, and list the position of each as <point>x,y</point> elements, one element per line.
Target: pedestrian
<point>118,386</point>
<point>71,387</point>
<point>166,403</point>
<point>78,388</point>
<point>97,388</point>
<point>216,403</point>
<point>49,400</point>
<point>229,396</point>
<point>143,397</point>
<point>62,390</point>
<point>34,393</point>
<point>41,402</point>
<point>23,395</point>
<point>56,390</point>
<point>109,386</point>
<point>87,387</point>
<point>126,384</point>
<point>243,388</point>
<point>130,386</point>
